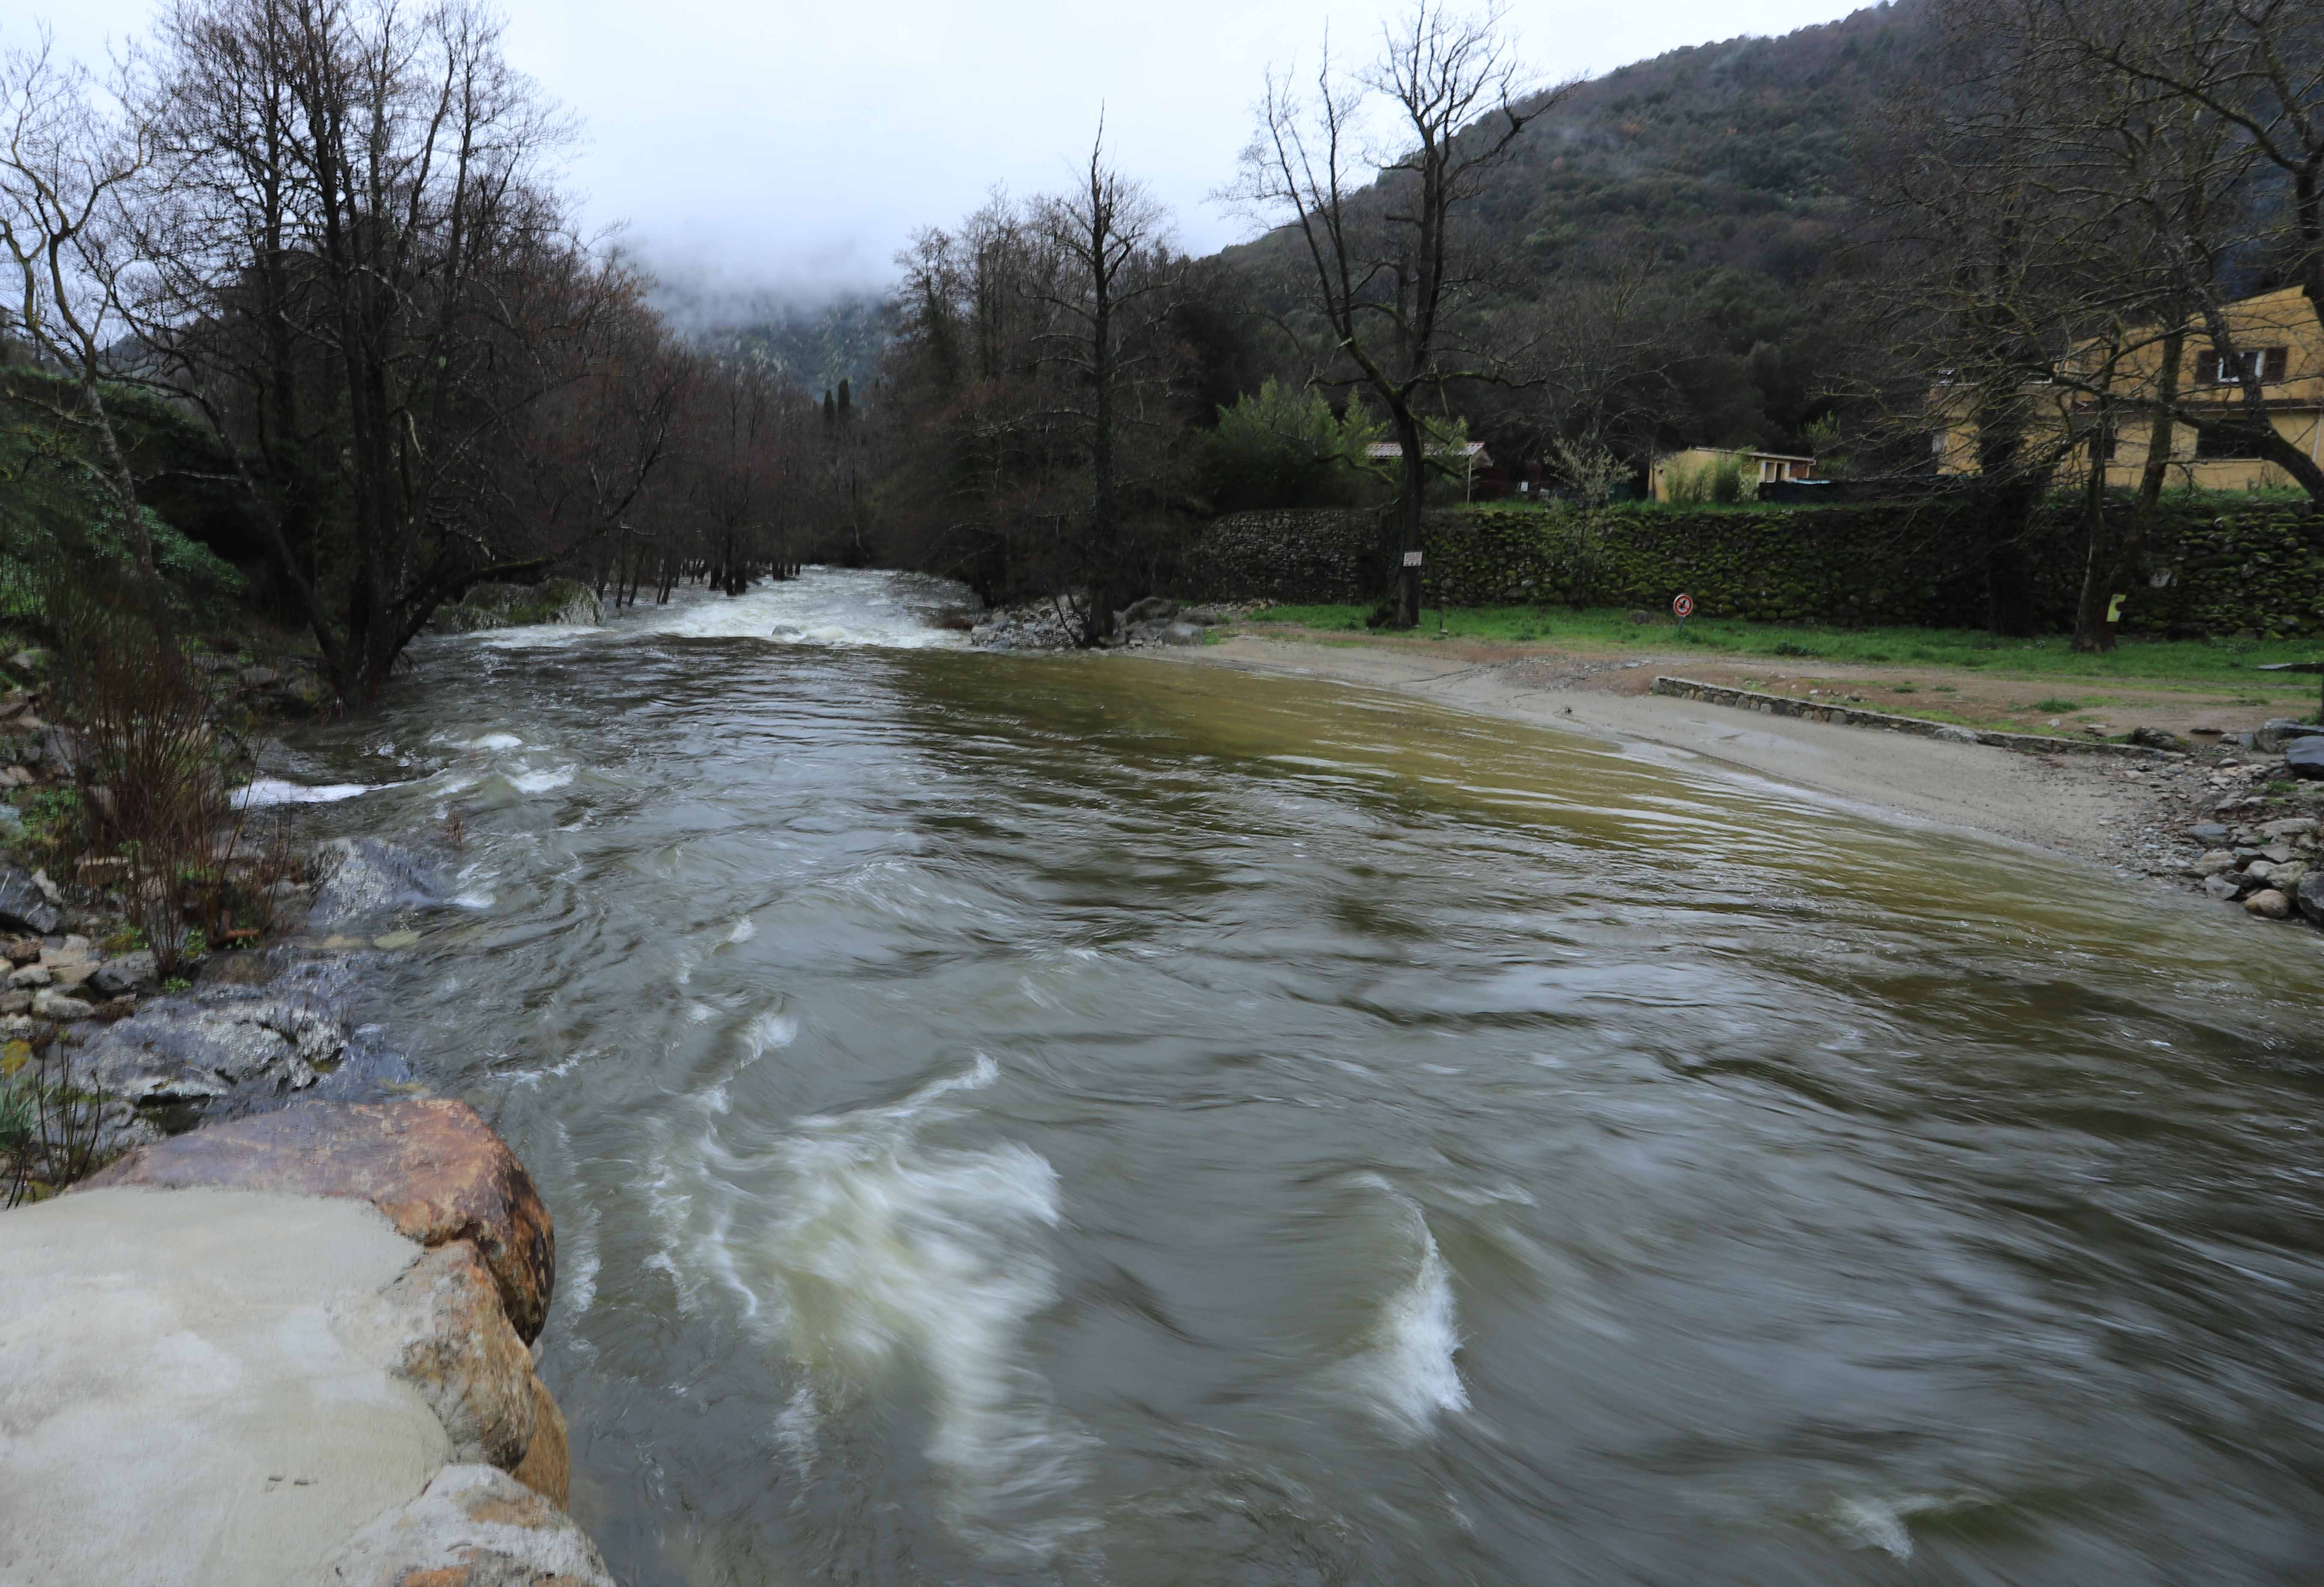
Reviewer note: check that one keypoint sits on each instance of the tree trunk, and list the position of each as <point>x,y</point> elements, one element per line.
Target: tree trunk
<point>2101,560</point>
<point>2009,494</point>
<point>1411,485</point>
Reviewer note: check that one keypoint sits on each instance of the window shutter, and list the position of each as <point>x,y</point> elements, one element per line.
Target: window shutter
<point>2273,364</point>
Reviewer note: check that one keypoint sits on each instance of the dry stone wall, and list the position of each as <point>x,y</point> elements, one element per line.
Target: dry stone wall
<point>2254,569</point>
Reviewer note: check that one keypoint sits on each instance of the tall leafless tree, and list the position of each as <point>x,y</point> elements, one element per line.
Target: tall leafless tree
<point>1392,267</point>
<point>1105,234</point>
<point>65,166</point>
<point>356,269</point>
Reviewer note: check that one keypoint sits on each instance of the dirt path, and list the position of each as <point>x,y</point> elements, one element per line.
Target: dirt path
<point>2129,818</point>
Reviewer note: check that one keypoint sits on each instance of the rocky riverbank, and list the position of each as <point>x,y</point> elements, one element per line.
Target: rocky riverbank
<point>260,1296</point>
<point>298,1348</point>
<point>409,1403</point>
<point>1056,623</point>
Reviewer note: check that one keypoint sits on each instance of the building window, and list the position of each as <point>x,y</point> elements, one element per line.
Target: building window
<point>2212,446</point>
<point>2228,369</point>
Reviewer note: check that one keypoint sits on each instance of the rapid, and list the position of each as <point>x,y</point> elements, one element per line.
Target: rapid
<point>1093,1119</point>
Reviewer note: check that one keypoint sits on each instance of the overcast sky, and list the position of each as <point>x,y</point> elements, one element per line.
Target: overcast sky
<point>798,143</point>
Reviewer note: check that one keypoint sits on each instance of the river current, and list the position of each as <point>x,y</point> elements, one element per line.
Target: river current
<point>1092,1120</point>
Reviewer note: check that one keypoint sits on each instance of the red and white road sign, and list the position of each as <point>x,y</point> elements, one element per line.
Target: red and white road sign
<point>1684,606</point>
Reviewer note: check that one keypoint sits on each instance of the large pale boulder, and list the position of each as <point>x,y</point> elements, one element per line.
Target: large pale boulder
<point>25,906</point>
<point>434,1166</point>
<point>474,1527</point>
<point>177,1408</point>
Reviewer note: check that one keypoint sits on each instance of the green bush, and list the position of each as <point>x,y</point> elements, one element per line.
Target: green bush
<point>520,605</point>
<point>56,518</point>
<point>1278,447</point>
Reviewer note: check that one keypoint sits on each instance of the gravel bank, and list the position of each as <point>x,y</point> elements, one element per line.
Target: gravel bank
<point>2133,818</point>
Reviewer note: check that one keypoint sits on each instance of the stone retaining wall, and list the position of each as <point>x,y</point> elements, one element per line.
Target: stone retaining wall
<point>1712,694</point>
<point>2254,569</point>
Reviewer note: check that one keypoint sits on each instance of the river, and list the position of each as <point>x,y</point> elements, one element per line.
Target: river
<point>1089,1120</point>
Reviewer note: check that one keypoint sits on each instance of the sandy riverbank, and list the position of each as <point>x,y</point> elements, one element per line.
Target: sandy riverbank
<point>2092,809</point>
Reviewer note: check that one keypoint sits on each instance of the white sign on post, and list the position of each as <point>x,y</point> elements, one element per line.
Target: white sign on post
<point>1412,559</point>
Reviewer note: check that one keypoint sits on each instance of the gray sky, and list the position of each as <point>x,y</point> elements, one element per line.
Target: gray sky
<point>797,145</point>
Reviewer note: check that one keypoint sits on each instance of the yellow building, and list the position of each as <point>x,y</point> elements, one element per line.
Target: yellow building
<point>1699,463</point>
<point>2275,334</point>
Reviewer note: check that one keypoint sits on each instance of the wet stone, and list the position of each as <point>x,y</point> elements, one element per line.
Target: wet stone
<point>474,1527</point>
<point>2269,904</point>
<point>24,906</point>
<point>197,1048</point>
<point>433,1166</point>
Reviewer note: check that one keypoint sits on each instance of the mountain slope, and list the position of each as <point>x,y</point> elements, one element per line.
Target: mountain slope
<point>1720,174</point>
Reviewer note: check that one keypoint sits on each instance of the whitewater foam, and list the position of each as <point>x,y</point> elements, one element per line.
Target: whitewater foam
<point>1409,1375</point>
<point>770,1032</point>
<point>830,608</point>
<point>266,792</point>
<point>534,783</point>
<point>897,1255</point>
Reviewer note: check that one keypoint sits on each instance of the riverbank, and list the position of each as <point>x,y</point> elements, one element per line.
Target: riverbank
<point>2135,818</point>
<point>359,1275</point>
<point>300,1347</point>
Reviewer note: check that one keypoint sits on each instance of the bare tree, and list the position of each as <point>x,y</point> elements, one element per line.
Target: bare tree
<point>357,272</point>
<point>1105,233</point>
<point>65,166</point>
<point>1392,268</point>
<point>2219,123</point>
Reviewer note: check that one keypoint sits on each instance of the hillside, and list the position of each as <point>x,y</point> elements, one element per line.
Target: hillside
<point>1723,173</point>
<point>1737,154</point>
<point>1726,165</point>
<point>817,343</point>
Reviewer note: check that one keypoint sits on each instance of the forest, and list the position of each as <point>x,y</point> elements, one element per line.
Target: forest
<point>301,317</point>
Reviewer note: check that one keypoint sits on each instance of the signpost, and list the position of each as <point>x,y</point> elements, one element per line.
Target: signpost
<point>1684,608</point>
<point>2297,667</point>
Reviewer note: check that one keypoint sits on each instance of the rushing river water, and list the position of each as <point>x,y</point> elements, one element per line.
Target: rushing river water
<point>1096,1120</point>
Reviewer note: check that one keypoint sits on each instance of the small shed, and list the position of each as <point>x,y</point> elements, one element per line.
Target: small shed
<point>1757,468</point>
<point>1469,456</point>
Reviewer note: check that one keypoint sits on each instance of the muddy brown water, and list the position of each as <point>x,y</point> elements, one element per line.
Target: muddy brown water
<point>1021,1120</point>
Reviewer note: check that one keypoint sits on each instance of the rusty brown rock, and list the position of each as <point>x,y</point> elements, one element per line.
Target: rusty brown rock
<point>474,1527</point>
<point>548,1465</point>
<point>434,1166</point>
<point>439,1327</point>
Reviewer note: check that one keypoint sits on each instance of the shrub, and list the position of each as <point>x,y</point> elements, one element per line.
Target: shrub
<point>1277,447</point>
<point>51,1131</point>
<point>151,776</point>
